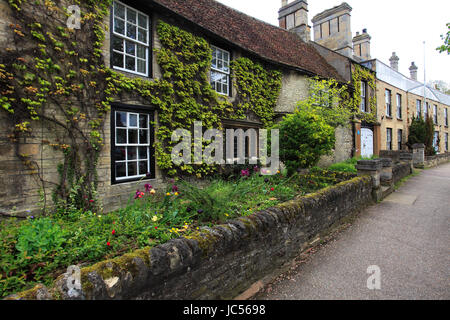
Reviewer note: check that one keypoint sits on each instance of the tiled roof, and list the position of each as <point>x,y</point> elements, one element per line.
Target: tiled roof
<point>265,40</point>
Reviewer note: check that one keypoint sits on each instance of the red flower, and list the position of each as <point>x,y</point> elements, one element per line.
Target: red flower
<point>91,201</point>
<point>156,228</point>
<point>272,189</point>
<point>108,244</point>
<point>113,232</point>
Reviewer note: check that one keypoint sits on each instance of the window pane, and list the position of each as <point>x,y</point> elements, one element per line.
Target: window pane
<point>214,63</point>
<point>141,51</point>
<point>131,48</point>
<point>143,153</point>
<point>131,15</point>
<point>132,169</point>
<point>117,60</point>
<point>131,31</point>
<point>119,10</point>
<point>130,63</point>
<point>117,44</point>
<point>143,167</point>
<point>119,153</point>
<point>143,136</point>
<point>133,120</point>
<point>143,121</point>
<point>121,170</point>
<point>142,35</point>
<point>121,119</point>
<point>142,21</point>
<point>121,136</point>
<point>132,136</point>
<point>142,66</point>
<point>132,153</point>
<point>119,26</point>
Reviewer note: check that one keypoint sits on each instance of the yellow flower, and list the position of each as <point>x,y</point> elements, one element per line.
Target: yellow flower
<point>176,193</point>
<point>155,218</point>
<point>186,226</point>
<point>152,191</point>
<point>278,171</point>
<point>168,194</point>
<point>227,215</point>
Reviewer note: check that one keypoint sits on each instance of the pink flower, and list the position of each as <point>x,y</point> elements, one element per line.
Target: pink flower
<point>174,188</point>
<point>148,187</point>
<point>245,173</point>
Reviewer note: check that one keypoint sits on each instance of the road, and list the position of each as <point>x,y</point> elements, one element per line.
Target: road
<point>406,236</point>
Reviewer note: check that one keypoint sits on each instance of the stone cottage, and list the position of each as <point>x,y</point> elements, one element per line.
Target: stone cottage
<point>30,166</point>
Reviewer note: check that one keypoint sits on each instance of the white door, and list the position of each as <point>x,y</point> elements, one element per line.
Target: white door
<point>366,143</point>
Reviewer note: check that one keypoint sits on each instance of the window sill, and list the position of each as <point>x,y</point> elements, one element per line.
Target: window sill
<point>132,75</point>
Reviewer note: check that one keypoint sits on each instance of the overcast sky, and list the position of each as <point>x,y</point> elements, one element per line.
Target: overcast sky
<point>394,25</point>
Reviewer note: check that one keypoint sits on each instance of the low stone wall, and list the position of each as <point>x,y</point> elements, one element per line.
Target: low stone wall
<point>400,171</point>
<point>436,160</point>
<point>219,262</point>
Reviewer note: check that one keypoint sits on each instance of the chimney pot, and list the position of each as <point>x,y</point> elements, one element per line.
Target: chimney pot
<point>394,61</point>
<point>413,70</point>
<point>284,3</point>
<point>364,30</point>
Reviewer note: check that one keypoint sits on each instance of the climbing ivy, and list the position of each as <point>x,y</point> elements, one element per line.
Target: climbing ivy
<point>55,75</point>
<point>363,74</point>
<point>258,89</point>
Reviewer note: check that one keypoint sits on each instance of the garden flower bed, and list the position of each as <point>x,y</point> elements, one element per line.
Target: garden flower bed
<point>38,250</point>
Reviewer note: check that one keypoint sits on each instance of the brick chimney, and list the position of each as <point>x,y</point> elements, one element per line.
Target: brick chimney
<point>294,17</point>
<point>413,71</point>
<point>332,29</point>
<point>361,45</point>
<point>394,61</point>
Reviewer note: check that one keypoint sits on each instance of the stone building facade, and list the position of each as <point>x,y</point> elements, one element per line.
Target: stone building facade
<point>332,38</point>
<point>400,98</point>
<point>232,34</point>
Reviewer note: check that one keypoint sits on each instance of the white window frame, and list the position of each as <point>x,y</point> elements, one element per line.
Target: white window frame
<point>419,108</point>
<point>399,106</point>
<point>136,41</point>
<point>435,141</point>
<point>388,98</point>
<point>363,105</point>
<point>132,145</point>
<point>221,71</point>
<point>389,139</point>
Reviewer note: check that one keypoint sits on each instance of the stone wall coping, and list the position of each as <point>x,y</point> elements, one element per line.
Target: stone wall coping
<point>369,165</point>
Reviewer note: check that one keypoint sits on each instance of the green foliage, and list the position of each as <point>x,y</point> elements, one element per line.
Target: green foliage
<point>304,138</point>
<point>326,101</point>
<point>40,235</point>
<point>422,131</point>
<point>446,46</point>
<point>363,74</point>
<point>258,89</point>
<point>40,249</point>
<point>343,167</point>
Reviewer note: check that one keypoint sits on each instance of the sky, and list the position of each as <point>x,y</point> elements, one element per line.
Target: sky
<point>394,25</point>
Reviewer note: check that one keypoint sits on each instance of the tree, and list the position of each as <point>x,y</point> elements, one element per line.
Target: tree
<point>304,138</point>
<point>422,131</point>
<point>440,85</point>
<point>446,46</point>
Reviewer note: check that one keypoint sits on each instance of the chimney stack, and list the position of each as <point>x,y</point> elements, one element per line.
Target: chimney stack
<point>361,45</point>
<point>413,71</point>
<point>394,61</point>
<point>332,29</point>
<point>294,17</point>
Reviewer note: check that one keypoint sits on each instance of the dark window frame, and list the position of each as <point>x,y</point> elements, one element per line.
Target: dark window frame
<point>399,139</point>
<point>132,108</point>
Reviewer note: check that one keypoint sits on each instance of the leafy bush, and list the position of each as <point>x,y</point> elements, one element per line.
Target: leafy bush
<point>304,138</point>
<point>40,235</point>
<point>422,131</point>
<point>343,167</point>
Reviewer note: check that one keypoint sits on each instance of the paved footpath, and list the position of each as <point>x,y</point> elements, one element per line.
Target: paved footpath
<point>407,236</point>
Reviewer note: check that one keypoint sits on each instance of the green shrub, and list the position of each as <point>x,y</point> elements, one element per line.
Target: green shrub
<point>304,138</point>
